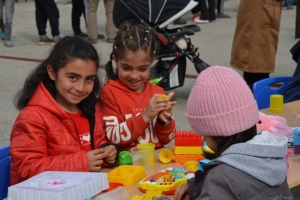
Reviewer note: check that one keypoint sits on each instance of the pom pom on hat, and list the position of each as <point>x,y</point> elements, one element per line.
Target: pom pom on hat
<point>221,103</point>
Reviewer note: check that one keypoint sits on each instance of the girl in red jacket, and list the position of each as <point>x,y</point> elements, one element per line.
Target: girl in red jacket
<point>132,111</point>
<point>60,126</point>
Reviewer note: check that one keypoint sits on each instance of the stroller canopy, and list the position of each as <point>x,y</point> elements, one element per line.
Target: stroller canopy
<point>154,12</point>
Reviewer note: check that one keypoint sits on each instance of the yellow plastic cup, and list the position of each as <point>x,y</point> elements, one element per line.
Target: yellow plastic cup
<point>276,103</point>
<point>152,147</point>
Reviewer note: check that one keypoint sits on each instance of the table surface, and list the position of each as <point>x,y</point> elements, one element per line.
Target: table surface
<point>293,176</point>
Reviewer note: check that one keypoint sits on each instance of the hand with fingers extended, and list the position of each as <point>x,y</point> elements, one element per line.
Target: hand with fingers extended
<point>155,106</point>
<point>167,113</point>
<point>95,159</point>
<point>111,153</point>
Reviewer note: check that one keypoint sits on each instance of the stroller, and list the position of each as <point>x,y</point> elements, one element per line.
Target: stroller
<point>169,69</point>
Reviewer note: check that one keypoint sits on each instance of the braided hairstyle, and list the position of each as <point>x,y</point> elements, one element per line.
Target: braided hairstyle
<point>131,38</point>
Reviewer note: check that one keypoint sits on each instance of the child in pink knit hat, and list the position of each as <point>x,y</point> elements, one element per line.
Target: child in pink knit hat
<point>246,164</point>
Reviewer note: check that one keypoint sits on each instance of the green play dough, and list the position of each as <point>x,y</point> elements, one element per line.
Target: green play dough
<point>125,158</point>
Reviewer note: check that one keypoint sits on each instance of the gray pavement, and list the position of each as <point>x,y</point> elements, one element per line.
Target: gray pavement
<point>214,42</point>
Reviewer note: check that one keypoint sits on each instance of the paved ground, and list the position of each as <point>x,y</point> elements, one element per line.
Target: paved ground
<point>214,42</point>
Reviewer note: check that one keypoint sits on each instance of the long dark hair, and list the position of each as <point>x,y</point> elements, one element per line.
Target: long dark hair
<point>225,142</point>
<point>131,38</point>
<point>66,50</point>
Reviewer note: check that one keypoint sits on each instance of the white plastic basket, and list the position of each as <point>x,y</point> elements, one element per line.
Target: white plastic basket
<point>51,185</point>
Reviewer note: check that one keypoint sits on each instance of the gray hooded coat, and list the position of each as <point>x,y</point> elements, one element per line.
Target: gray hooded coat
<point>255,170</point>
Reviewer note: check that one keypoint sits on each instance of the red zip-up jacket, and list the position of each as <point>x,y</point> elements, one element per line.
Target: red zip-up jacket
<point>45,138</point>
<point>125,126</point>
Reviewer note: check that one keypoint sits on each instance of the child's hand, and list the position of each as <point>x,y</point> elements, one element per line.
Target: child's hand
<point>166,114</point>
<point>181,192</point>
<point>111,152</point>
<point>154,107</point>
<point>95,159</point>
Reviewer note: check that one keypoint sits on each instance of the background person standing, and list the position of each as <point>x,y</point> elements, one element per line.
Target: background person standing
<point>44,10</point>
<point>256,38</point>
<point>79,7</point>
<point>7,25</point>
<point>92,27</point>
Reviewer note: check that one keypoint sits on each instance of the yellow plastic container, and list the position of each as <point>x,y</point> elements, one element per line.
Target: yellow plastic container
<point>165,156</point>
<point>127,174</point>
<point>276,103</point>
<point>152,147</point>
<point>191,165</point>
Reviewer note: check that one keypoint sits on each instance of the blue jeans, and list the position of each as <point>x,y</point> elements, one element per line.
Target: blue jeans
<point>8,15</point>
<point>288,2</point>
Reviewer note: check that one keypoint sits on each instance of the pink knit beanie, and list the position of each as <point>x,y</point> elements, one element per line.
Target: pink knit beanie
<point>221,103</point>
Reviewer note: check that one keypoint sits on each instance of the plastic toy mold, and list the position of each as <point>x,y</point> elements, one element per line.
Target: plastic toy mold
<point>127,174</point>
<point>167,180</point>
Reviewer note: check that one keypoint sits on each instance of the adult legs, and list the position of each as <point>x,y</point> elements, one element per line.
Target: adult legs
<point>52,12</point>
<point>92,28</point>
<point>211,10</point>
<point>251,78</point>
<point>77,10</point>
<point>203,10</point>
<point>220,8</point>
<point>110,26</point>
<point>289,4</point>
<point>1,15</point>
<point>196,9</point>
<point>40,17</point>
<point>297,29</point>
<point>9,11</point>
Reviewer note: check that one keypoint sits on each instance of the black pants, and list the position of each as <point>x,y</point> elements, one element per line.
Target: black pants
<point>44,10</point>
<point>206,14</point>
<point>220,6</point>
<point>1,24</point>
<point>251,78</point>
<point>78,9</point>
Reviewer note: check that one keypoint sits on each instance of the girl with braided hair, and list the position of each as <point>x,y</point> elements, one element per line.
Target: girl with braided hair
<point>133,113</point>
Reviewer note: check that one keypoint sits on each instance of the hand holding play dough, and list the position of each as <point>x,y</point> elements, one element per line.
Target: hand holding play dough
<point>162,96</point>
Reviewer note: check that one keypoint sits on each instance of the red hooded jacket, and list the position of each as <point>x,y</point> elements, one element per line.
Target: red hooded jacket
<point>44,138</point>
<point>124,123</point>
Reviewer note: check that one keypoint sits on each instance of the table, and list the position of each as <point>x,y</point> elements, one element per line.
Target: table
<point>133,190</point>
<point>289,113</point>
<point>293,175</point>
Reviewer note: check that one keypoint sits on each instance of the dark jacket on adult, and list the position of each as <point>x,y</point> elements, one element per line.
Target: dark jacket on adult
<point>292,90</point>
